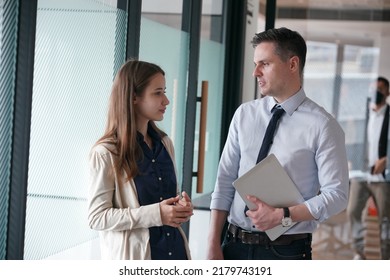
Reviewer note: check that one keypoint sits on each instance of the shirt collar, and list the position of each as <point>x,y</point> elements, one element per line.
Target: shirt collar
<point>291,104</point>
<point>153,134</point>
<point>381,110</point>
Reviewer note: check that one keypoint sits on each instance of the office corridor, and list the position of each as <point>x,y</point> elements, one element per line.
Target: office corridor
<point>332,240</point>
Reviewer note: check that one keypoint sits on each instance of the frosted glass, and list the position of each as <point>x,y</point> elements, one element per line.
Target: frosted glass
<point>78,51</point>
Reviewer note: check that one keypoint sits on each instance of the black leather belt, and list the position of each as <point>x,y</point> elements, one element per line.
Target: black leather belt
<point>261,238</point>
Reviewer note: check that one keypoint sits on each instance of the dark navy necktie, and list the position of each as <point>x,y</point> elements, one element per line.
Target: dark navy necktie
<point>277,112</point>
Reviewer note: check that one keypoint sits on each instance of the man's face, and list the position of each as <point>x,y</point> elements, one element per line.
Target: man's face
<point>271,72</point>
<point>381,93</point>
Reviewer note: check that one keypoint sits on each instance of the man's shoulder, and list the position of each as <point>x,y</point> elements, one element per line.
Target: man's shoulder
<point>252,105</point>
<point>316,109</point>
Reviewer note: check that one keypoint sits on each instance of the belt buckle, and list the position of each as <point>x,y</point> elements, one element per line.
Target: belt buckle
<point>233,230</point>
<point>246,237</point>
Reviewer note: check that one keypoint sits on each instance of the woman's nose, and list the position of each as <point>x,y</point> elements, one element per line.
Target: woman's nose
<point>166,100</point>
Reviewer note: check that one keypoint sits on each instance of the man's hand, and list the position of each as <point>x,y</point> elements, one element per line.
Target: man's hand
<point>380,166</point>
<point>264,217</point>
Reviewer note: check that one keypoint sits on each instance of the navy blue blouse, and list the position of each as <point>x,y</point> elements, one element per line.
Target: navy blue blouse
<point>156,182</point>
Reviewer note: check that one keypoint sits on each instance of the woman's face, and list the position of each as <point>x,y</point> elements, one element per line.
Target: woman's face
<point>152,103</point>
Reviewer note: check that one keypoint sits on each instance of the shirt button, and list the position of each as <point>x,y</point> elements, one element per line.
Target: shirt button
<point>253,226</point>
<point>159,178</point>
<point>170,253</point>
<point>168,234</point>
<point>153,160</point>
<point>161,198</point>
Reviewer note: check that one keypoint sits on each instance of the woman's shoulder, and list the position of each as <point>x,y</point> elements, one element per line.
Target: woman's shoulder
<point>168,143</point>
<point>103,148</point>
<point>166,139</point>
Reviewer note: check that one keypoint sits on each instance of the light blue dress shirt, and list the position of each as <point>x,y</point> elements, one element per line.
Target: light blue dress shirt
<point>310,145</point>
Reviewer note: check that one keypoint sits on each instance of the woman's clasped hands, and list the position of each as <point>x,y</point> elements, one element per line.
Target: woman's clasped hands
<point>176,210</point>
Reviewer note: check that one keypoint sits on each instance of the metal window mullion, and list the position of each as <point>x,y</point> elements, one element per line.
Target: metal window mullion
<point>191,22</point>
<point>8,17</point>
<point>134,11</point>
<point>234,40</point>
<point>270,14</point>
<point>21,128</point>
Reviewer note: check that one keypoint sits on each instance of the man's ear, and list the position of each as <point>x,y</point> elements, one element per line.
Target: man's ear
<point>294,63</point>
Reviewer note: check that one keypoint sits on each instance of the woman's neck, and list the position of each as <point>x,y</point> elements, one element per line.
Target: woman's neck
<point>143,129</point>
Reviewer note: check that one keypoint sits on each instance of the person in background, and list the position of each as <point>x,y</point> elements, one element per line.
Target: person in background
<point>377,186</point>
<point>308,142</point>
<point>133,200</point>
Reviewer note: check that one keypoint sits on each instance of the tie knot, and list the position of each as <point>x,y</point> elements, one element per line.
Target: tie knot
<point>277,111</point>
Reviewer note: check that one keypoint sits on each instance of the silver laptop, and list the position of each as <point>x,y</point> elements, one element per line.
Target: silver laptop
<point>270,183</point>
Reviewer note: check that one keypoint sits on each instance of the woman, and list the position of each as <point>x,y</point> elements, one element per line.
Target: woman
<point>133,200</point>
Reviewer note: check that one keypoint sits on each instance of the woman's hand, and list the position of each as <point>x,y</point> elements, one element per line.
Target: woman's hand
<point>185,200</point>
<point>175,211</point>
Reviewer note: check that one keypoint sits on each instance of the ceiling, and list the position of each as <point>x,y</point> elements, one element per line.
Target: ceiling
<point>333,4</point>
<point>363,22</point>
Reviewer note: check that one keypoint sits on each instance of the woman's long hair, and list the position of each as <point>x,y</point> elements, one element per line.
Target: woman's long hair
<point>121,131</point>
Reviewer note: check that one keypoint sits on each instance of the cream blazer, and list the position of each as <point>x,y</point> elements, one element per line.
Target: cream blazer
<point>115,212</point>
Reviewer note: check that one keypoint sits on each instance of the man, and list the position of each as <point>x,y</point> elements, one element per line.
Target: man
<point>376,185</point>
<point>309,144</point>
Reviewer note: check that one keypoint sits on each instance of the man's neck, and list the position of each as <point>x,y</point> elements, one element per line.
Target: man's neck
<point>377,107</point>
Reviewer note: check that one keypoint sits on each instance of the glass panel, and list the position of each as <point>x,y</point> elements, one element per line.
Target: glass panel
<point>8,32</point>
<point>347,47</point>
<point>79,47</point>
<point>211,69</point>
<point>165,12</point>
<point>360,70</point>
<point>162,42</point>
<point>343,61</point>
<point>161,22</point>
<point>320,72</point>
